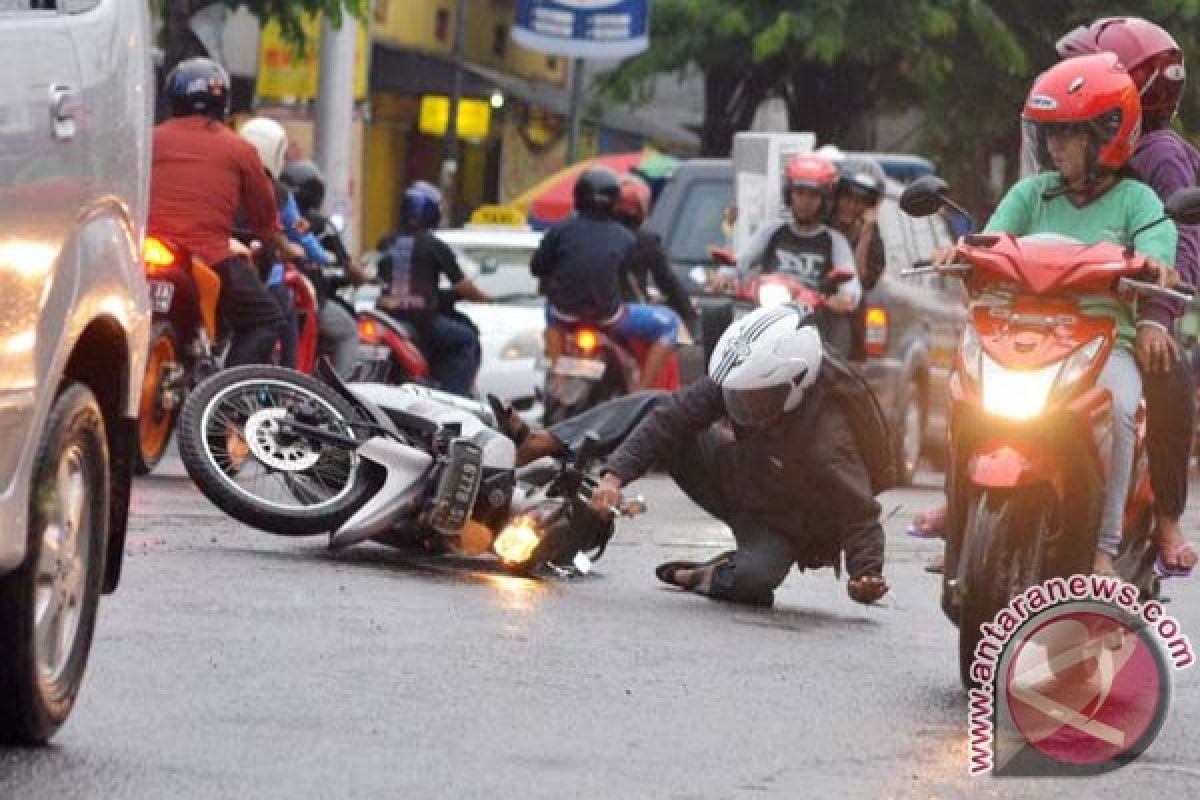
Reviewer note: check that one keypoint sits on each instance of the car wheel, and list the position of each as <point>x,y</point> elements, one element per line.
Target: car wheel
<point>910,431</point>
<point>48,605</point>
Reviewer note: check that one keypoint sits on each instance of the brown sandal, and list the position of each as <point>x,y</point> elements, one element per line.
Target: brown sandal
<point>867,589</point>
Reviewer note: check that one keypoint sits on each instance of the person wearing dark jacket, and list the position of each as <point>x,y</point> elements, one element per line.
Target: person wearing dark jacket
<point>767,444</point>
<point>647,259</point>
<point>579,265</point>
<point>413,259</point>
<point>338,328</point>
<point>856,201</point>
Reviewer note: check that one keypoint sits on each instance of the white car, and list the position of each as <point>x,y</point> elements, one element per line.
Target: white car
<point>510,329</point>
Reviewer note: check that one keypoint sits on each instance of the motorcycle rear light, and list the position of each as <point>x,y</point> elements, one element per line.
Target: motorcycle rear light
<point>156,255</point>
<point>368,331</point>
<point>877,330</point>
<point>586,340</point>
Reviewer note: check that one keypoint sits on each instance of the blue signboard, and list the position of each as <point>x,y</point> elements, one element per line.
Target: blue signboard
<point>600,29</point>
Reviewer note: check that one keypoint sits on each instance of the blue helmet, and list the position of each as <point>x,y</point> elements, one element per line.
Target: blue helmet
<point>422,206</point>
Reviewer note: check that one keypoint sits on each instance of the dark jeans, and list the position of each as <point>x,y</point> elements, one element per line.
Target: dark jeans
<point>289,334</point>
<point>453,351</point>
<point>248,309</point>
<point>1171,421</point>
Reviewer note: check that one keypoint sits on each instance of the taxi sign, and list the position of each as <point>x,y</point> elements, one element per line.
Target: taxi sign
<point>503,216</point>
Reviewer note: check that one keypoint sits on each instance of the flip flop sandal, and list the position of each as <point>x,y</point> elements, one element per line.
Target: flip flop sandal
<point>666,573</point>
<point>1167,563</point>
<point>508,420</point>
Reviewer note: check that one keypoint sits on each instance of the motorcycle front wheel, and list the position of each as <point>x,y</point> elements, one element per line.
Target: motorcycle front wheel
<point>236,446</point>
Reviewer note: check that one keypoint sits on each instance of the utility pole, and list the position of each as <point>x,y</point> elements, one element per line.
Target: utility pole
<point>576,110</point>
<point>450,159</point>
<point>333,134</point>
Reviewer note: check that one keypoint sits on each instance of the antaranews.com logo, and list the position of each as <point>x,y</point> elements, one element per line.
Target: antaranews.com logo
<point>1074,678</point>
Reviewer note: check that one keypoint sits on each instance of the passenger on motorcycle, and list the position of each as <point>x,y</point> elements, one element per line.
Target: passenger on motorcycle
<point>764,444</point>
<point>856,200</point>
<point>1082,117</point>
<point>1168,163</point>
<point>647,259</point>
<point>579,265</point>
<point>413,260</point>
<point>338,328</point>
<point>202,174</point>
<point>801,244</point>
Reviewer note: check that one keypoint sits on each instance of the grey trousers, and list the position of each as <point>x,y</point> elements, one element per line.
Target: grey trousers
<point>1122,378</point>
<point>338,334</point>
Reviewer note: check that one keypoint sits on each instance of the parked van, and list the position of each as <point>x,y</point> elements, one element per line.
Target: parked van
<point>75,124</point>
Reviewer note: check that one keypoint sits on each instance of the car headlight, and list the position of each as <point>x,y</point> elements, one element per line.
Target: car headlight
<point>526,344</point>
<point>773,294</point>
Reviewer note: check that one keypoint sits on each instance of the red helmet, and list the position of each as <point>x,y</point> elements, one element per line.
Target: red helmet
<point>1093,94</point>
<point>1151,55</point>
<point>808,171</point>
<point>633,202</point>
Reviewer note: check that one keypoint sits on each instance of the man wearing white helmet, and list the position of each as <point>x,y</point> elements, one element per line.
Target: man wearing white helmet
<point>793,473</point>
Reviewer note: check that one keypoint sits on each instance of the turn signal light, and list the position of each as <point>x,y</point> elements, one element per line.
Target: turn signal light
<point>156,255</point>
<point>368,331</point>
<point>587,340</point>
<point>877,328</point>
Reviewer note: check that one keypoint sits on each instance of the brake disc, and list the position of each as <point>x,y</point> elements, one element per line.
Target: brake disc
<point>266,439</point>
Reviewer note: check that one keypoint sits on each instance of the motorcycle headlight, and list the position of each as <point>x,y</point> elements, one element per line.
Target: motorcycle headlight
<point>970,351</point>
<point>1078,363</point>
<point>1016,394</point>
<point>773,294</point>
<point>526,344</point>
<point>516,543</point>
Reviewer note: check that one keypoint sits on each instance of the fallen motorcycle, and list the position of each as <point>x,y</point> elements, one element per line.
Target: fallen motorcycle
<point>404,465</point>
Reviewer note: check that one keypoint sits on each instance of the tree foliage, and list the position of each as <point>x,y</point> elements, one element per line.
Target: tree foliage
<point>966,64</point>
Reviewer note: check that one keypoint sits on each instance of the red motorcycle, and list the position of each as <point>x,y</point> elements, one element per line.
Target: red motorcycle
<point>304,297</point>
<point>1030,429</point>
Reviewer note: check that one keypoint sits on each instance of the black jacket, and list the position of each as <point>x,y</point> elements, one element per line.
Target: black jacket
<point>578,264</point>
<point>806,470</point>
<point>648,260</point>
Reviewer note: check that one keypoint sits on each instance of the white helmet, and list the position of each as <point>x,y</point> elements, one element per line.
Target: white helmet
<point>271,141</point>
<point>764,362</point>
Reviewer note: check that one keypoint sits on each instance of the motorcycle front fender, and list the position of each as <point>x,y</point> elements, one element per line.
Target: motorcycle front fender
<point>1013,464</point>
<point>406,473</point>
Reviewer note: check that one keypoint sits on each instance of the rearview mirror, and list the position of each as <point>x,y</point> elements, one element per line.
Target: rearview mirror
<point>924,197</point>
<point>1184,206</point>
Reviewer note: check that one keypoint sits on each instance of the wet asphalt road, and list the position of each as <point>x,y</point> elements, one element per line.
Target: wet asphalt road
<point>233,664</point>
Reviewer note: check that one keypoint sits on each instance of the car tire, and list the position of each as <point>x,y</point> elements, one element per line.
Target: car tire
<point>42,661</point>
<point>910,431</point>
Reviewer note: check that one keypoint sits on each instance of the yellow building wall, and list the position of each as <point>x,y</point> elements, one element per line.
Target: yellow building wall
<point>413,24</point>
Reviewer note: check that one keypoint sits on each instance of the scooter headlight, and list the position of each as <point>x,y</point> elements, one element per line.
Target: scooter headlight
<point>1016,394</point>
<point>1078,363</point>
<point>771,295</point>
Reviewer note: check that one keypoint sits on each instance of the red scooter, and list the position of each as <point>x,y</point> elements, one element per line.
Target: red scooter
<point>1030,430</point>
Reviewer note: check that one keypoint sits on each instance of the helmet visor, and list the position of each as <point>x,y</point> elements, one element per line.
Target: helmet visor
<point>754,408</point>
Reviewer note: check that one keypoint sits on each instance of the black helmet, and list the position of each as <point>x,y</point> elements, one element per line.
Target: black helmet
<point>861,181</point>
<point>198,86</point>
<point>307,183</point>
<point>597,190</point>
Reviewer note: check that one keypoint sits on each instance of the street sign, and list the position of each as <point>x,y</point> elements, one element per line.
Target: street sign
<point>602,29</point>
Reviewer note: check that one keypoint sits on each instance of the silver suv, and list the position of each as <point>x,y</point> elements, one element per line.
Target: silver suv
<point>75,116</point>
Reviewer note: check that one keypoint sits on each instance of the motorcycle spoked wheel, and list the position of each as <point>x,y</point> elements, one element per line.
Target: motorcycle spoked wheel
<point>234,449</point>
<point>1003,553</point>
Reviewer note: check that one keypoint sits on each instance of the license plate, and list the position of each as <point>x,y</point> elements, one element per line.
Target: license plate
<point>458,487</point>
<point>161,294</point>
<point>587,368</point>
<point>373,352</point>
